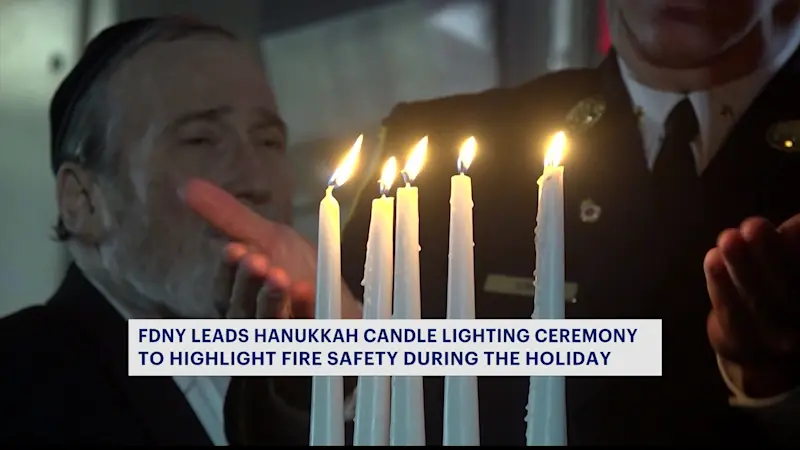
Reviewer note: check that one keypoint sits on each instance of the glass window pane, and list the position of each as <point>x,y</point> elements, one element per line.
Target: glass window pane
<point>337,78</point>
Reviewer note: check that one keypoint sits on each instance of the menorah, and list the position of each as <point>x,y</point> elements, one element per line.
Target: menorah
<point>390,410</point>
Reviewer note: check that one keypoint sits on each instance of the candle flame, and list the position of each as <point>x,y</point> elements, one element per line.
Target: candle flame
<point>416,160</point>
<point>347,166</point>
<point>466,154</point>
<point>388,175</point>
<point>555,150</point>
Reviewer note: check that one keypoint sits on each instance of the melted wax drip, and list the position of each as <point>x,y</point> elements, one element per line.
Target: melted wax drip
<point>368,290</point>
<point>529,410</point>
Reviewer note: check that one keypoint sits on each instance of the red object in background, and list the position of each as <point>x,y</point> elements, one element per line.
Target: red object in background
<point>604,37</point>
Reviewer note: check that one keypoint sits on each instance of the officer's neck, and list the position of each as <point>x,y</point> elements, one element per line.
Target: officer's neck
<point>756,50</point>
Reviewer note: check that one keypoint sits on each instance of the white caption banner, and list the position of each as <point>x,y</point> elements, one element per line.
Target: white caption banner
<point>394,347</point>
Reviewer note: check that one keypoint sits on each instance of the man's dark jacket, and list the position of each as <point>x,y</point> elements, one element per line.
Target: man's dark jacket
<point>632,262</point>
<point>65,378</point>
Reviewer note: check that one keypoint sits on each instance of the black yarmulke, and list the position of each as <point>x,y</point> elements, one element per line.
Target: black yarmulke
<point>96,57</point>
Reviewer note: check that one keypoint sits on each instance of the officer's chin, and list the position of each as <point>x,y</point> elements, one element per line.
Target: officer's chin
<point>682,46</point>
<point>666,44</point>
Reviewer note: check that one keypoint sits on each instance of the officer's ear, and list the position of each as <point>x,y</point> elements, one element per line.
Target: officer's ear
<point>81,204</point>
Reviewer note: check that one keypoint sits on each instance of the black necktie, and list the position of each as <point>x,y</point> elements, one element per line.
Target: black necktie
<point>675,160</point>
<point>676,182</point>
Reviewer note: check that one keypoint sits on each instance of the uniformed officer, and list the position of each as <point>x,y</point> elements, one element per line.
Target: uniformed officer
<point>681,184</point>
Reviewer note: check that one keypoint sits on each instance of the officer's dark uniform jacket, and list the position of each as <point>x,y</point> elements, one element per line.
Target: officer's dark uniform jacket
<point>630,263</point>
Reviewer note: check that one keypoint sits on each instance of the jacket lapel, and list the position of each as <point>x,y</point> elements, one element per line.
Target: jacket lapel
<point>759,178</point>
<point>161,406</point>
<point>606,167</point>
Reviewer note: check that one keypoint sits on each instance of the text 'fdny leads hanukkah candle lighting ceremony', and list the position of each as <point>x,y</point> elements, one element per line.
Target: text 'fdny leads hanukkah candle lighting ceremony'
<point>395,348</point>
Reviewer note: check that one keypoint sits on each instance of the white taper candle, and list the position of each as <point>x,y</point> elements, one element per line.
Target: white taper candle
<point>546,417</point>
<point>407,426</point>
<point>327,393</point>
<point>373,392</point>
<point>461,417</point>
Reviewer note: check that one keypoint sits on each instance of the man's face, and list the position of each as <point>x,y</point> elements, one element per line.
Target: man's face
<point>681,34</point>
<point>198,107</point>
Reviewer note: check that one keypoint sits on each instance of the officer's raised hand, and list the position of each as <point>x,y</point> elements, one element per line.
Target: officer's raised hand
<point>753,279</point>
<point>275,266</point>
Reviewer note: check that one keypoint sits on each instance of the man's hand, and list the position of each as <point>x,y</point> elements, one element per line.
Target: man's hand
<point>275,266</point>
<point>753,279</point>
<point>265,291</point>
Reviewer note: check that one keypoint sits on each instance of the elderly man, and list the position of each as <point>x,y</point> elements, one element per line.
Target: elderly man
<point>152,103</point>
<point>682,182</point>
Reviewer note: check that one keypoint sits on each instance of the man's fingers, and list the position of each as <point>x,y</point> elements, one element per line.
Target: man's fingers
<point>765,245</point>
<point>225,213</point>
<point>741,266</point>
<point>273,301</point>
<point>247,283</point>
<point>234,252</point>
<point>302,294</point>
<point>746,257</point>
<point>282,299</point>
<point>776,308</point>
<point>791,228</point>
<point>727,320</point>
<point>722,292</point>
<point>262,290</point>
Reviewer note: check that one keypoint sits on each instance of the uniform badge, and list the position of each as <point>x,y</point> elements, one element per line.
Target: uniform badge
<point>785,136</point>
<point>585,114</point>
<point>590,211</point>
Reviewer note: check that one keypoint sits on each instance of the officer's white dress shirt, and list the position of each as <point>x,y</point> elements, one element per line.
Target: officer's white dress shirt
<point>717,110</point>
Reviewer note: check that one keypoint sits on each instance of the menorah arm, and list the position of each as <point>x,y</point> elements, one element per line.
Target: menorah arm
<point>276,410</point>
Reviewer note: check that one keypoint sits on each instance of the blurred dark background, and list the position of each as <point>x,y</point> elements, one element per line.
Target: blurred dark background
<point>337,66</point>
